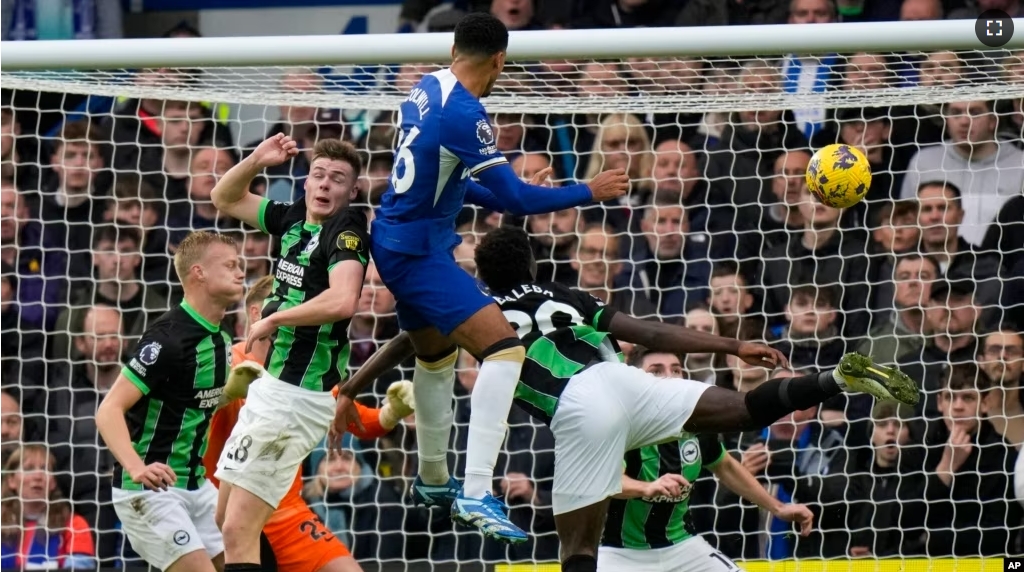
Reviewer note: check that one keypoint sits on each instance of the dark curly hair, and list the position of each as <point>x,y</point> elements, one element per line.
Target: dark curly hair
<point>504,259</point>
<point>480,34</point>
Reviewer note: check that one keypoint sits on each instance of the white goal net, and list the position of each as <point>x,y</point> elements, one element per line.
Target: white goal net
<point>105,171</point>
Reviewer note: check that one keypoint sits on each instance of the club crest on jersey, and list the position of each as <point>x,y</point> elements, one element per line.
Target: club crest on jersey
<point>313,243</point>
<point>689,451</point>
<point>149,353</point>
<point>349,240</point>
<point>484,132</point>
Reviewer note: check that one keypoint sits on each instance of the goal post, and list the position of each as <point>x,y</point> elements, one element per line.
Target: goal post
<point>720,119</point>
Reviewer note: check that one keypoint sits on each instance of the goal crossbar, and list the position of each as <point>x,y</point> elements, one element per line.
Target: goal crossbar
<point>523,46</point>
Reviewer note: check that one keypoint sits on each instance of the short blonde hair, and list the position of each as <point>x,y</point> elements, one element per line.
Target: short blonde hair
<point>191,250</point>
<point>633,130</point>
<point>259,291</point>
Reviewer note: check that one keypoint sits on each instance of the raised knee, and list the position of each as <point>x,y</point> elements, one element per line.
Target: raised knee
<point>444,359</point>
<point>508,349</point>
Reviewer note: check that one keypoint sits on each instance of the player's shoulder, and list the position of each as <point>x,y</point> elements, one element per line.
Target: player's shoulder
<point>578,294</point>
<point>351,218</point>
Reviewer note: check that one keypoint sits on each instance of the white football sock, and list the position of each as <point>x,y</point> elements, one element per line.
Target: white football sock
<point>432,387</point>
<point>488,422</point>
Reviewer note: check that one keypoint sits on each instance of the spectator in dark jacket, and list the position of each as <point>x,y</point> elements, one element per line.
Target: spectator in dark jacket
<point>939,217</point>
<point>39,259</point>
<point>811,339</point>
<point>951,322</point>
<point>971,508</point>
<point>823,255</point>
<point>672,270</point>
<point>597,262</point>
<point>76,389</point>
<point>871,500</point>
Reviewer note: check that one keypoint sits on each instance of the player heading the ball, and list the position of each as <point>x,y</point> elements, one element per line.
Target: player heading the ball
<point>446,140</point>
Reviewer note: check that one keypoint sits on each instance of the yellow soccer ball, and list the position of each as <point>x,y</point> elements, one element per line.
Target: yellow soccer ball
<point>839,175</point>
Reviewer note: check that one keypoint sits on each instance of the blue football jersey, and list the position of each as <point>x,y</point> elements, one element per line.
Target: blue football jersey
<point>445,138</point>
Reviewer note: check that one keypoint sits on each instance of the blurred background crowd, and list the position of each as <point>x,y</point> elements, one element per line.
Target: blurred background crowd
<point>718,233</point>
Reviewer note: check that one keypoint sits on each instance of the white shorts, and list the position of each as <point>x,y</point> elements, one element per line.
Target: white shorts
<point>606,410</point>
<point>279,425</point>
<point>692,555</point>
<point>163,526</point>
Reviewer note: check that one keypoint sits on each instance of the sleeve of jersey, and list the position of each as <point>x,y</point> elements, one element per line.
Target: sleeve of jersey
<point>370,418</point>
<point>711,449</point>
<point>275,218</point>
<point>595,312</point>
<point>478,195</point>
<point>348,239</point>
<point>469,137</point>
<point>154,357</point>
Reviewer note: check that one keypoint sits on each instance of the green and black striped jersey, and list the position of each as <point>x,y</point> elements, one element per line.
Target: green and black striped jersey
<point>564,331</point>
<point>311,357</point>
<point>180,365</point>
<point>646,523</point>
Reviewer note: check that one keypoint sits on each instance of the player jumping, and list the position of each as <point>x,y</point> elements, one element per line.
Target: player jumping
<point>318,279</point>
<point>648,527</point>
<point>445,139</point>
<point>298,540</point>
<point>154,419</point>
<point>598,407</point>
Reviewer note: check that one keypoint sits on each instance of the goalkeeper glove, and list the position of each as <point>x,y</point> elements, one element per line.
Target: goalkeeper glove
<point>239,380</point>
<point>399,405</point>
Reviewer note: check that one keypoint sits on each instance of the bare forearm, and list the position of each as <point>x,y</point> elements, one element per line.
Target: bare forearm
<point>631,489</point>
<point>661,337</point>
<point>234,185</point>
<point>326,308</point>
<point>739,480</point>
<point>385,359</point>
<point>112,427</point>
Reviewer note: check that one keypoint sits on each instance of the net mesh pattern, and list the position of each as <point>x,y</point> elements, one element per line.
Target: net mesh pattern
<point>105,172</point>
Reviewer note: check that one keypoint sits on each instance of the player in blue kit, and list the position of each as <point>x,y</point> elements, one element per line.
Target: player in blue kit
<point>446,139</point>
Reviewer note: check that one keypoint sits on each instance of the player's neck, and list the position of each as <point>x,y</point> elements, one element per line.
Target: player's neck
<point>209,309</point>
<point>471,79</point>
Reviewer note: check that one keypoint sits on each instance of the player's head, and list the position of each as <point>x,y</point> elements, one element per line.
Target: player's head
<point>254,298</point>
<point>481,40</point>
<point>333,178</point>
<point>504,259</point>
<point>658,364</point>
<point>209,263</point>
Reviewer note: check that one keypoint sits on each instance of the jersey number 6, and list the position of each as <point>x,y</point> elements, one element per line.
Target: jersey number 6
<point>404,159</point>
<point>543,319</point>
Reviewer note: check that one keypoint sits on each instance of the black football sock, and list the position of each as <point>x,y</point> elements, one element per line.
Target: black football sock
<point>779,397</point>
<point>243,567</point>
<point>578,563</point>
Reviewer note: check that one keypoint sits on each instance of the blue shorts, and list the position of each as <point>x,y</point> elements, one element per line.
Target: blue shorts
<point>430,290</point>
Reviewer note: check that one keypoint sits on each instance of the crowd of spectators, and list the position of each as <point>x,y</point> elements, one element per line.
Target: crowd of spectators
<point>718,233</point>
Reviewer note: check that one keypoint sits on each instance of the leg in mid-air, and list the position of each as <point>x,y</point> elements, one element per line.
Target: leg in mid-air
<point>722,410</point>
<point>441,307</point>
<point>610,408</point>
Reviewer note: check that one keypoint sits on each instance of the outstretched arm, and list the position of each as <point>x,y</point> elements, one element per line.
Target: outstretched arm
<point>478,195</point>
<point>661,337</point>
<point>738,479</point>
<point>521,199</point>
